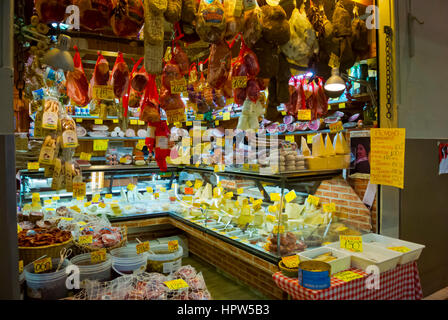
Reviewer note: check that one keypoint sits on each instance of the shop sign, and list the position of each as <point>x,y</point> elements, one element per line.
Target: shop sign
<point>387,157</point>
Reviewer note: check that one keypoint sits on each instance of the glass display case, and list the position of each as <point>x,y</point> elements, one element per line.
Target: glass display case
<point>269,216</point>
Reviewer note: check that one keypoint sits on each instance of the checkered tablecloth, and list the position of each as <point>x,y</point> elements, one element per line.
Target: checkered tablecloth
<point>401,283</point>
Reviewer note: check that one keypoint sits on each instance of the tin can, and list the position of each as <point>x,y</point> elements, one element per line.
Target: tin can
<point>314,275</point>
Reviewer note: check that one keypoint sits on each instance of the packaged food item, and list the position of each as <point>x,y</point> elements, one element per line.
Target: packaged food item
<point>120,76</point>
<point>211,22</point>
<point>69,136</point>
<point>58,175</point>
<point>50,116</point>
<point>219,64</point>
<point>42,237</point>
<point>77,84</point>
<point>48,150</point>
<point>127,17</point>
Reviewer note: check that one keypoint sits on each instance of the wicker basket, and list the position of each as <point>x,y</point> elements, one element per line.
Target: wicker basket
<point>289,272</point>
<point>29,254</point>
<point>86,248</point>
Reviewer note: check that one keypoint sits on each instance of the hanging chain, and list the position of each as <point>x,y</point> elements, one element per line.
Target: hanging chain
<point>19,56</point>
<point>388,32</point>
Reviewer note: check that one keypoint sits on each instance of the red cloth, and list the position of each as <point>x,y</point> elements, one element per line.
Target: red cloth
<point>400,283</point>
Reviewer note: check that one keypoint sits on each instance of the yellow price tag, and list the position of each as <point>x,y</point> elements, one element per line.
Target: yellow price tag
<point>275,197</point>
<point>131,187</point>
<point>239,82</point>
<point>96,198</point>
<point>283,113</point>
<point>47,202</point>
<point>197,184</point>
<point>87,204</point>
<point>140,122</point>
<point>218,168</point>
<point>291,195</point>
<point>313,200</point>
<point>189,123</point>
<point>290,138</point>
<point>102,205</point>
<point>291,261</point>
<point>309,138</point>
<point>108,196</point>
<point>217,123</point>
<point>79,189</point>
<point>178,86</point>
<point>79,120</point>
<point>400,249</point>
<point>35,197</point>
<point>347,276</point>
<point>342,105</point>
<point>85,156</point>
<point>336,127</point>
<point>98,121</point>
<point>199,116</point>
<point>162,189</point>
<point>273,209</point>
<point>33,165</point>
<point>226,116</point>
<point>142,247</point>
<point>352,243</point>
<point>103,93</point>
<point>115,121</point>
<point>186,142</point>
<point>98,256</point>
<point>149,189</point>
<point>140,145</point>
<point>100,145</point>
<point>188,183</point>
<point>304,114</point>
<point>240,191</point>
<point>85,239</point>
<point>229,195</point>
<point>187,198</point>
<point>173,245</point>
<point>176,284</point>
<point>278,229</point>
<point>43,265</point>
<point>19,228</point>
<point>20,266</point>
<point>329,207</point>
<point>133,122</point>
<point>55,198</point>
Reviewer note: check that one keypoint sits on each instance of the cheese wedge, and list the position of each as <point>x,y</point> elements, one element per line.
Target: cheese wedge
<point>329,150</point>
<point>344,144</point>
<point>304,148</point>
<point>337,143</point>
<point>318,146</point>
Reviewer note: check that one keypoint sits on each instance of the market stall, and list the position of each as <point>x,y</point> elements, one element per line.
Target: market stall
<point>232,121</point>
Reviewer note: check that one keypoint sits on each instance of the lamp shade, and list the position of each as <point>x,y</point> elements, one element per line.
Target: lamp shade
<point>335,85</point>
<point>60,58</point>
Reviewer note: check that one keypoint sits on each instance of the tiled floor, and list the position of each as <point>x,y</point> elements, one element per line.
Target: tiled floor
<point>221,286</point>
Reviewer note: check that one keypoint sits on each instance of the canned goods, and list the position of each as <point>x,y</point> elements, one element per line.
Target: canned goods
<point>314,275</point>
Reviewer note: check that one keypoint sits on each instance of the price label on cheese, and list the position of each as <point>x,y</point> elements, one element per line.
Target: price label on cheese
<point>313,200</point>
<point>304,114</point>
<point>275,196</point>
<point>240,191</point>
<point>352,243</point>
<point>108,196</point>
<point>33,165</point>
<point>291,261</point>
<point>98,256</point>
<point>219,168</point>
<point>102,205</point>
<point>347,276</point>
<point>188,183</point>
<point>239,82</point>
<point>336,127</point>
<point>131,187</point>
<point>197,184</point>
<point>270,218</point>
<point>78,120</point>
<point>103,93</point>
<point>189,191</point>
<point>400,249</point>
<point>309,138</point>
<point>35,197</point>
<point>178,86</point>
<point>47,202</point>
<point>79,189</point>
<point>87,204</point>
<point>176,284</point>
<point>142,247</point>
<point>226,116</point>
<point>290,138</point>
<point>278,229</point>
<point>149,189</point>
<point>100,145</point>
<point>187,198</point>
<point>85,156</point>
<point>329,207</point>
<point>272,209</point>
<point>85,239</point>
<point>133,122</point>
<point>162,189</point>
<point>96,198</point>
<point>229,195</point>
<point>43,265</point>
<point>140,145</point>
<point>173,245</point>
<point>20,266</point>
<point>98,121</point>
<point>55,198</point>
<point>291,195</point>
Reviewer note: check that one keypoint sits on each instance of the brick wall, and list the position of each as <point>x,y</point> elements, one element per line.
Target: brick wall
<point>359,185</point>
<point>349,206</point>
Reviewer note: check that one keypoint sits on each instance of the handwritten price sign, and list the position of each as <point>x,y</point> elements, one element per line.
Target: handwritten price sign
<point>178,86</point>
<point>43,265</point>
<point>103,93</point>
<point>142,247</point>
<point>176,284</point>
<point>239,82</point>
<point>85,239</point>
<point>176,115</point>
<point>336,127</point>
<point>352,243</point>
<point>98,256</point>
<point>173,245</point>
<point>313,200</point>
<point>304,114</point>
